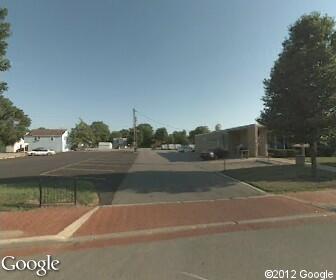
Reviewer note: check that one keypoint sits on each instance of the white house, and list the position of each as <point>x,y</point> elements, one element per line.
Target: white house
<point>54,139</point>
<point>18,146</point>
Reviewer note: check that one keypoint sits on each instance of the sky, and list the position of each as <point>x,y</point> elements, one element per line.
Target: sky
<point>180,63</point>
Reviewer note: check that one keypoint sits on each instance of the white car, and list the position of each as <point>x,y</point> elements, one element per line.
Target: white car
<point>41,152</point>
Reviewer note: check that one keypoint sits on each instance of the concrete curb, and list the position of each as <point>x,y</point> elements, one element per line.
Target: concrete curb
<point>233,179</point>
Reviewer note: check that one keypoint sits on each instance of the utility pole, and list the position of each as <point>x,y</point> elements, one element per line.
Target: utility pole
<point>134,131</point>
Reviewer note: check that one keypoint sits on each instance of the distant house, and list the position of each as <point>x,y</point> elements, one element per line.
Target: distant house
<point>54,139</point>
<point>18,146</point>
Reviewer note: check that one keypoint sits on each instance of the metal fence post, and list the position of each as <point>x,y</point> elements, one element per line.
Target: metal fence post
<point>40,191</point>
<point>75,191</point>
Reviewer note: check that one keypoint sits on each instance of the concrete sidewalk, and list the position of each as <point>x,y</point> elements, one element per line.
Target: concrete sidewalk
<point>11,155</point>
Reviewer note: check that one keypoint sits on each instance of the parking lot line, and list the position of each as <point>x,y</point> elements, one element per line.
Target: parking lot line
<point>89,169</point>
<point>62,167</point>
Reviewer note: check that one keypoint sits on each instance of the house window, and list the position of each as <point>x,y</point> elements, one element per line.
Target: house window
<point>37,138</point>
<point>52,138</point>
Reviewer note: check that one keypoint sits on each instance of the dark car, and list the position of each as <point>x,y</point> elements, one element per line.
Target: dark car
<point>209,155</point>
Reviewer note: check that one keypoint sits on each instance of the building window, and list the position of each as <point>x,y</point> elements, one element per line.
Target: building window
<point>52,138</point>
<point>37,138</point>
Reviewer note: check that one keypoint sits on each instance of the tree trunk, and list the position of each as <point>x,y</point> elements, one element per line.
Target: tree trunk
<point>313,155</point>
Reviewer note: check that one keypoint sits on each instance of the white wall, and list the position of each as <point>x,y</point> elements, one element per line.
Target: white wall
<point>65,144</point>
<point>58,144</point>
<point>17,145</point>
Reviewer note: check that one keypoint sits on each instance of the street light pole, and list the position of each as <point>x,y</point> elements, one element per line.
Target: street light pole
<point>134,131</point>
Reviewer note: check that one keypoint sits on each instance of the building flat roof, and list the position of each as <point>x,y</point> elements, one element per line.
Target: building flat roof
<point>231,129</point>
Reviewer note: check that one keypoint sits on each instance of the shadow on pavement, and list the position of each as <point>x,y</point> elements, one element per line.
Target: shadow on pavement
<point>174,156</point>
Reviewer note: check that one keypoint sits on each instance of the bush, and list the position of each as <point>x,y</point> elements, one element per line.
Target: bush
<point>325,151</point>
<point>282,153</point>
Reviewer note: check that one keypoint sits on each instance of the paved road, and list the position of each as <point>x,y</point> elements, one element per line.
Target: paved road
<point>158,176</point>
<point>228,256</point>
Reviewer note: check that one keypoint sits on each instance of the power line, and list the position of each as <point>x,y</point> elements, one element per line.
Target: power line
<point>158,122</point>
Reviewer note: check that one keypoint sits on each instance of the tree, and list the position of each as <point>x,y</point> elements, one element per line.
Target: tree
<point>124,133</point>
<point>161,135</point>
<point>115,134</point>
<point>299,100</point>
<point>218,127</point>
<point>100,131</point>
<point>13,122</point>
<point>81,135</point>
<point>180,137</point>
<point>4,34</point>
<point>145,135</point>
<point>196,131</point>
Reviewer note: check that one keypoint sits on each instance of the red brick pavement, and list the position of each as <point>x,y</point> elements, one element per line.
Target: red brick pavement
<point>325,197</point>
<point>44,221</point>
<point>138,217</point>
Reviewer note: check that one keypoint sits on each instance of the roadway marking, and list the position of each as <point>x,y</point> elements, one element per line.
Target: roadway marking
<point>62,167</point>
<point>193,275</point>
<point>73,227</point>
<point>90,169</point>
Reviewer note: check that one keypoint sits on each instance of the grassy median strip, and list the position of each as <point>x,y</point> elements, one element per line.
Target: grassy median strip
<point>284,178</point>
<point>23,195</point>
<point>331,161</point>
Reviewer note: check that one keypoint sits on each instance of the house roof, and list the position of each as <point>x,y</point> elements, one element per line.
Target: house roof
<point>46,132</point>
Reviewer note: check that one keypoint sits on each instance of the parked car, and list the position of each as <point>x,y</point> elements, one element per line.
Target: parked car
<point>184,149</point>
<point>209,155</point>
<point>41,152</point>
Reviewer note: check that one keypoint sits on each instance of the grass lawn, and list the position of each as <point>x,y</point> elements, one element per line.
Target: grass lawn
<point>331,161</point>
<point>284,178</point>
<point>21,195</point>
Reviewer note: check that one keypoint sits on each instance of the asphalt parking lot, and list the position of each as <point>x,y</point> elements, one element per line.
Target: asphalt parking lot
<point>105,169</point>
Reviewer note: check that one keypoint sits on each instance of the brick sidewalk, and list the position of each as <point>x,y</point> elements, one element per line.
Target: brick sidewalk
<point>141,217</point>
<point>319,198</point>
<point>45,221</point>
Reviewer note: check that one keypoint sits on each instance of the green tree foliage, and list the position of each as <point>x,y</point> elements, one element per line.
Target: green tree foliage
<point>100,131</point>
<point>196,131</point>
<point>180,137</point>
<point>115,134</point>
<point>82,135</point>
<point>145,135</point>
<point>161,135</point>
<point>299,98</point>
<point>218,127</point>
<point>13,122</point>
<point>4,34</point>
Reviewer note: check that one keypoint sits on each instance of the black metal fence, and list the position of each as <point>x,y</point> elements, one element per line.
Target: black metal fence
<point>57,191</point>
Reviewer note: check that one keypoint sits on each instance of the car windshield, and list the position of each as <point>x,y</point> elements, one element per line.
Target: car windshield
<point>167,139</point>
